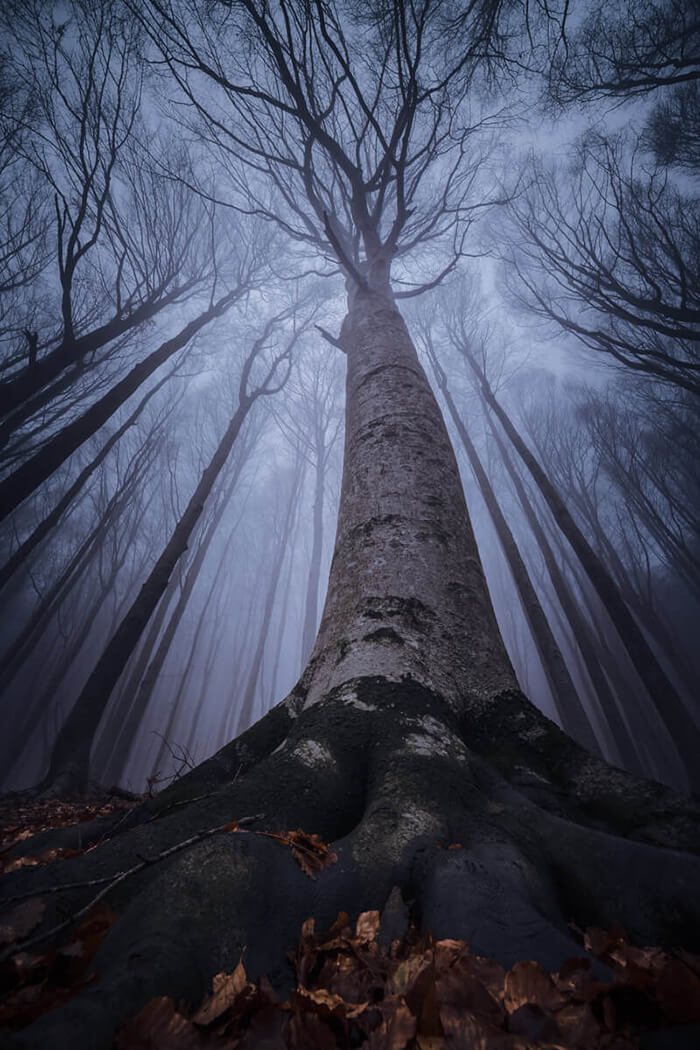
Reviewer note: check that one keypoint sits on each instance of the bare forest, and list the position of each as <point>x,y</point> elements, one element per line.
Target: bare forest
<point>349,444</point>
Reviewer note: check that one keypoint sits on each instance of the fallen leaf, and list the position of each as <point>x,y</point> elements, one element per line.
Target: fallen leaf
<point>578,1026</point>
<point>225,989</point>
<point>366,926</point>
<point>528,983</point>
<point>602,942</point>
<point>406,973</point>
<point>307,1030</point>
<point>395,1030</point>
<point>309,851</point>
<point>159,1026</point>
<point>460,991</point>
<point>332,1003</point>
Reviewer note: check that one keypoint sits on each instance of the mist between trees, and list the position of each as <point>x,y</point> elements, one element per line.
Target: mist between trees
<point>350,454</point>
<point>141,277</point>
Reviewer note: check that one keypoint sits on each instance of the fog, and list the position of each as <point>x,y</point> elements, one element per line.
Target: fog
<point>169,327</point>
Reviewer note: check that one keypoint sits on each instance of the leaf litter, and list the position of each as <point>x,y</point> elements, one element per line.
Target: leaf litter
<point>423,994</point>
<point>416,993</point>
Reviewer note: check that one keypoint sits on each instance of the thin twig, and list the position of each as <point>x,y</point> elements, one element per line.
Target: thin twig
<point>113,881</point>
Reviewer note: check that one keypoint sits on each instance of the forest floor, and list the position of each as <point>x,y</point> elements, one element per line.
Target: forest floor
<point>356,987</point>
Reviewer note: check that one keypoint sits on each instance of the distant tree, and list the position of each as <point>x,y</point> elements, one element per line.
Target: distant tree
<point>620,50</point>
<point>610,253</point>
<point>311,417</point>
<point>70,758</point>
<point>407,730</point>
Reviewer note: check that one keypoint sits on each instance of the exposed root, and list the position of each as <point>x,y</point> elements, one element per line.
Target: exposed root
<point>465,849</point>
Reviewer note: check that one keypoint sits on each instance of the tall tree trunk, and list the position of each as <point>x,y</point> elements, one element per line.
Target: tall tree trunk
<point>23,644</point>
<point>568,704</point>
<point>272,693</point>
<point>636,706</point>
<point>25,385</point>
<point>402,492</point>
<point>204,619</point>
<point>669,704</point>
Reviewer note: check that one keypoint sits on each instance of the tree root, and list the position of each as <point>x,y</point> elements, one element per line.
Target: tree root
<point>423,826</point>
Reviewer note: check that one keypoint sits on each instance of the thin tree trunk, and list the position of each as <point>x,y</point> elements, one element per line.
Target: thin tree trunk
<point>246,703</point>
<point>568,704</point>
<point>669,704</point>
<point>35,470</point>
<point>70,761</point>
<point>580,629</point>
<point>314,577</point>
<point>18,395</point>
<point>107,753</point>
<point>272,693</point>
<point>20,649</point>
<point>640,714</point>
<point>39,533</point>
<point>132,722</point>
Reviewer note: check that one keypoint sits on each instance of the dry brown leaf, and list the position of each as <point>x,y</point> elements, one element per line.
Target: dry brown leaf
<point>18,862</point>
<point>528,983</point>
<point>462,992</point>
<point>406,973</point>
<point>159,1026</point>
<point>602,942</point>
<point>309,851</point>
<point>21,920</point>
<point>307,1030</point>
<point>332,1002</point>
<point>366,926</point>
<point>307,929</point>
<point>225,988</point>
<point>488,971</point>
<point>578,1026</point>
<point>448,951</point>
<point>398,1026</point>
